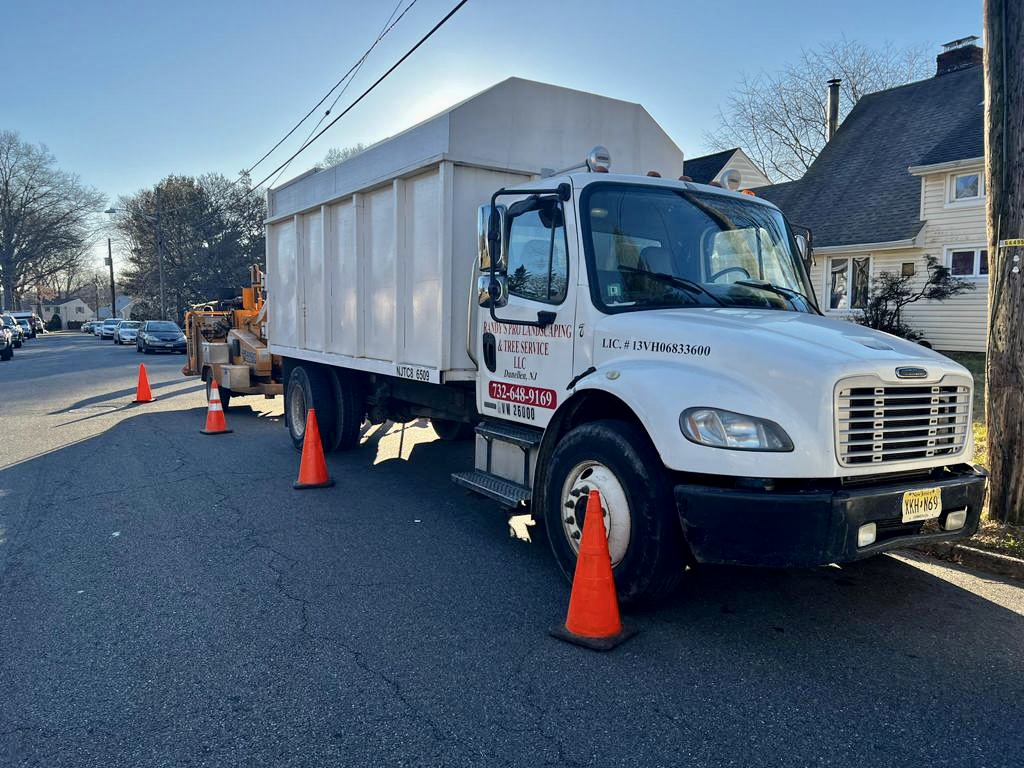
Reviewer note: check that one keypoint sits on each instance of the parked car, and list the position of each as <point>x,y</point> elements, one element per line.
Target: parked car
<point>26,326</point>
<point>6,343</point>
<point>87,326</point>
<point>97,327</point>
<point>17,332</point>
<point>32,322</point>
<point>160,336</point>
<point>126,331</point>
<point>108,326</point>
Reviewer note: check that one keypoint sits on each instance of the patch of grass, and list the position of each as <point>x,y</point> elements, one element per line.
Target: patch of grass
<point>975,363</point>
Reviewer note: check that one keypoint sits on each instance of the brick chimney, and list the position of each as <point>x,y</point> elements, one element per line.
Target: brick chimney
<point>957,55</point>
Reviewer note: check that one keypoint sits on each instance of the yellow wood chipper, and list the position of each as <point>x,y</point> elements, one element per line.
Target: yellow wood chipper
<point>227,341</point>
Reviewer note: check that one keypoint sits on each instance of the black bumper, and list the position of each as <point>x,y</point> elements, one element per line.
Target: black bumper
<point>815,527</point>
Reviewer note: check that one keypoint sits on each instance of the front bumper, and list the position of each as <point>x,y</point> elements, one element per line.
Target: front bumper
<point>815,527</point>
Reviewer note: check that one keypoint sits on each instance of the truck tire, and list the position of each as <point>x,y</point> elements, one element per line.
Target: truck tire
<point>451,430</point>
<point>350,411</point>
<point>645,539</point>
<point>309,386</point>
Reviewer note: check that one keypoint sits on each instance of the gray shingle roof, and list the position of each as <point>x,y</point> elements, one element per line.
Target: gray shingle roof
<point>703,169</point>
<point>858,190</point>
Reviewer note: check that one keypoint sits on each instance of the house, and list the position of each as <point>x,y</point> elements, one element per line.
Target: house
<point>710,168</point>
<point>902,178</point>
<point>123,307</point>
<point>71,310</point>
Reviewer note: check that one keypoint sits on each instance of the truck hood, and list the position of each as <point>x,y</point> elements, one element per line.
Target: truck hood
<point>775,365</point>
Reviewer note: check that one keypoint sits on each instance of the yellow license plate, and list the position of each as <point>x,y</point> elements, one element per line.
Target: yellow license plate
<point>925,504</point>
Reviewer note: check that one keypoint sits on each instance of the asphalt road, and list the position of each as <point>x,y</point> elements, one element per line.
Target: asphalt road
<point>166,598</point>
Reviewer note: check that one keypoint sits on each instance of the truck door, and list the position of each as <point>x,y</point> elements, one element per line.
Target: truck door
<point>526,343</point>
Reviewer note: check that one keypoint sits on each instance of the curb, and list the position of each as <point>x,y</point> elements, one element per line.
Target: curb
<point>991,562</point>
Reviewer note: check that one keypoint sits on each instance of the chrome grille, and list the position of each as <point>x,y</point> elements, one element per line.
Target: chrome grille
<point>880,423</point>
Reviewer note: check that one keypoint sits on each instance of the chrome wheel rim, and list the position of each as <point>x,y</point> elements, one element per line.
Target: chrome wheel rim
<point>297,409</point>
<point>594,476</point>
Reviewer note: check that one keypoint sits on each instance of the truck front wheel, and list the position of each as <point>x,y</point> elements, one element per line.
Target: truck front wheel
<point>645,541</point>
<point>309,386</point>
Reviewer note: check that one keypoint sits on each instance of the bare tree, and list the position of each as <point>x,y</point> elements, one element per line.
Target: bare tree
<point>46,216</point>
<point>779,118</point>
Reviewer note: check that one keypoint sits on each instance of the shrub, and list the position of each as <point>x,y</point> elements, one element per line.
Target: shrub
<point>54,323</point>
<point>891,292</point>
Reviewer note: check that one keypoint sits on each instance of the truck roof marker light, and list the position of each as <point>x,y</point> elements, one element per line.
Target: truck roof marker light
<point>750,192</point>
<point>599,160</point>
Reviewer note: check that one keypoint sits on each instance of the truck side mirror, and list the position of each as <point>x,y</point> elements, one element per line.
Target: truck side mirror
<point>492,293</point>
<point>489,238</point>
<point>804,247</point>
<point>801,246</point>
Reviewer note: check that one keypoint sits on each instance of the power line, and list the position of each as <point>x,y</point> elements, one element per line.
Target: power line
<point>385,29</point>
<point>351,70</point>
<point>354,71</point>
<point>365,93</point>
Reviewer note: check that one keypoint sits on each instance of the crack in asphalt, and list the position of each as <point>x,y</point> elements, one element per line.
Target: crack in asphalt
<point>357,656</point>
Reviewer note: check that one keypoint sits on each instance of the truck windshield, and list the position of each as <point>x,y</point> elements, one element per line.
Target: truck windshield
<point>656,247</point>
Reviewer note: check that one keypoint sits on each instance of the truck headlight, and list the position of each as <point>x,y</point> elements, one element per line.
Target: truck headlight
<point>725,429</point>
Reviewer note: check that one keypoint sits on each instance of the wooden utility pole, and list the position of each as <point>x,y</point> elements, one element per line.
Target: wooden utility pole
<point>1004,183</point>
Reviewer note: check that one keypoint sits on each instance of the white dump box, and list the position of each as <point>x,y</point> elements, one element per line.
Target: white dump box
<point>370,262</point>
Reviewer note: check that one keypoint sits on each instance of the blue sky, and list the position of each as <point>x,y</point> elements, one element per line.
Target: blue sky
<point>126,92</point>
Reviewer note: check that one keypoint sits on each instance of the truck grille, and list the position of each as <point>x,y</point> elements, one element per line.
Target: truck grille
<point>880,424</point>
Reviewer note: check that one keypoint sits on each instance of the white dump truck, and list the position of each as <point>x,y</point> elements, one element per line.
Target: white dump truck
<point>596,327</point>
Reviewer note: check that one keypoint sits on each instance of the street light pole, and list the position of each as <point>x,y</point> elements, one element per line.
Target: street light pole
<point>113,293</point>
<point>160,255</point>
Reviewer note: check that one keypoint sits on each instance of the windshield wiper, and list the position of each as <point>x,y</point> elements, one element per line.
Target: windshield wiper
<point>786,293</point>
<point>681,282</point>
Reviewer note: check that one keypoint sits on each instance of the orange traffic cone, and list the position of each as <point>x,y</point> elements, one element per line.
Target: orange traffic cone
<point>593,619</point>
<point>216,424</point>
<point>313,468</point>
<point>142,393</point>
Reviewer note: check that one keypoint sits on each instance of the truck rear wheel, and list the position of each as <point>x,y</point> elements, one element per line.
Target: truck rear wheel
<point>450,430</point>
<point>309,386</point>
<point>645,540</point>
<point>350,410</point>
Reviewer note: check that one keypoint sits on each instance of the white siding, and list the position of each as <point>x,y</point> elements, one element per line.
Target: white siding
<point>959,323</point>
<point>750,175</point>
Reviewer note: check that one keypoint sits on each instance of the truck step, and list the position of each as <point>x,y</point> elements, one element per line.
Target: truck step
<point>497,488</point>
<point>524,437</point>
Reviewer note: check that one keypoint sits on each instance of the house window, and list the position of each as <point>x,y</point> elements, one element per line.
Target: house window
<point>964,187</point>
<point>968,262</point>
<point>79,310</point>
<point>849,279</point>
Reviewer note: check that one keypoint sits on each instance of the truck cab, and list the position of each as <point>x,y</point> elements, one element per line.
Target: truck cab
<point>659,341</point>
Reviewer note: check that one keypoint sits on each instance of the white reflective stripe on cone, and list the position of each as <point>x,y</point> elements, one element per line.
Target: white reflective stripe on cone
<point>215,405</point>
